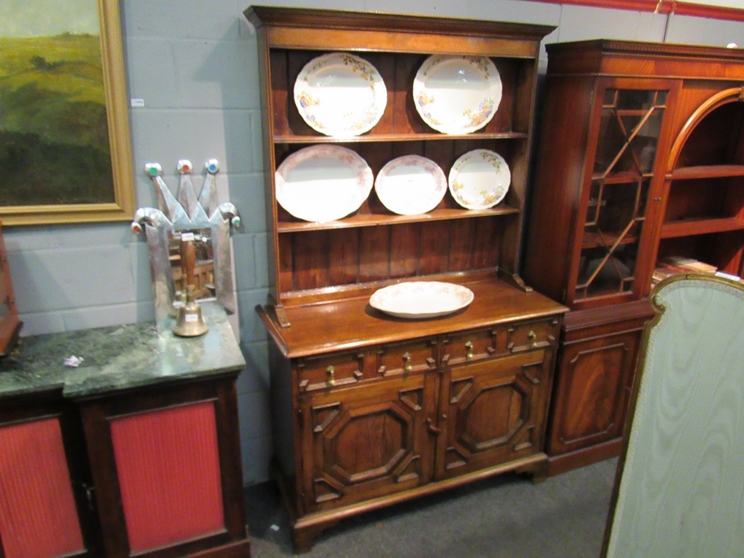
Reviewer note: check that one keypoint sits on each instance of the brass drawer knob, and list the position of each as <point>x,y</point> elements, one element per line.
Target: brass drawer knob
<point>533,338</point>
<point>469,350</point>
<point>407,366</point>
<point>331,376</point>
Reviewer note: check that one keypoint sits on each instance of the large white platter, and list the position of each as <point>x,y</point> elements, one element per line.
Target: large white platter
<point>457,94</point>
<point>411,185</point>
<point>421,299</point>
<point>340,95</point>
<point>479,179</point>
<point>323,183</point>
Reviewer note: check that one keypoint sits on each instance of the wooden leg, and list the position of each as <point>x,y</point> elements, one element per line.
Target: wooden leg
<point>302,537</point>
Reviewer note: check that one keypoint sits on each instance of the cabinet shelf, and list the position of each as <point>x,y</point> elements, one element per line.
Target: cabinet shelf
<point>387,138</point>
<point>593,240</point>
<point>378,220</point>
<point>707,171</point>
<point>629,177</point>
<point>689,227</point>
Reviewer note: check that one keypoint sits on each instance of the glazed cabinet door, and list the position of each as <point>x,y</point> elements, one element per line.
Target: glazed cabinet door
<point>491,412</point>
<point>613,245</point>
<point>367,441</point>
<point>591,392</point>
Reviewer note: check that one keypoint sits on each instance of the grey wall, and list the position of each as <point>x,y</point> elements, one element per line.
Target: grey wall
<point>194,64</point>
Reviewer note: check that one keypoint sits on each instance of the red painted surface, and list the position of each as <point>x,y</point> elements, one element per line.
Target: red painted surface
<point>169,474</point>
<point>38,518</point>
<point>683,7</point>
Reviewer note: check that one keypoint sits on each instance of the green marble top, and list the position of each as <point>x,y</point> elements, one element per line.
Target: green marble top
<point>120,357</point>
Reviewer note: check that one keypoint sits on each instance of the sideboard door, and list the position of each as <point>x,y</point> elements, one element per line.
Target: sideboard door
<point>367,441</point>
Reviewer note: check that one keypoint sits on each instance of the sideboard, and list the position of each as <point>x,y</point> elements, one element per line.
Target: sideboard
<point>135,451</point>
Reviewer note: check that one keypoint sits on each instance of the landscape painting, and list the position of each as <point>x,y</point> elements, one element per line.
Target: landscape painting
<point>65,152</point>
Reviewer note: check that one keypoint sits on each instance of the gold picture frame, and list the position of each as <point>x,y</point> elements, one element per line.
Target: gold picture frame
<point>114,199</point>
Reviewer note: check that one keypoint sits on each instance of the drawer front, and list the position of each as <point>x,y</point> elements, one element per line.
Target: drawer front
<point>328,371</point>
<point>498,341</point>
<point>409,357</point>
<point>470,346</point>
<point>530,336</point>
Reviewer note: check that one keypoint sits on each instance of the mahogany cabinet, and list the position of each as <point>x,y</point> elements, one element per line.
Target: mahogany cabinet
<point>640,167</point>
<point>134,453</point>
<point>371,409</point>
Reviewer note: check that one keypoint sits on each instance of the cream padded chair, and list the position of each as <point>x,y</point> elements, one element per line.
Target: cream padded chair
<point>679,491</point>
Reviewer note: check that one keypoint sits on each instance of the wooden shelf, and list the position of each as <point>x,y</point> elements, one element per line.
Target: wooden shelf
<point>629,177</point>
<point>707,171</point>
<point>378,220</point>
<point>387,138</point>
<point>593,240</point>
<point>690,227</point>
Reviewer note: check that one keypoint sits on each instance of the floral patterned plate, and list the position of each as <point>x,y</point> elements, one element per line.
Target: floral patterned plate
<point>479,179</point>
<point>340,95</point>
<point>457,94</point>
<point>411,185</point>
<point>323,183</point>
<point>421,299</point>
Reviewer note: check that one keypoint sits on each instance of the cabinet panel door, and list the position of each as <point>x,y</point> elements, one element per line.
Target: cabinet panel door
<point>592,385</point>
<point>38,517</point>
<point>367,441</point>
<point>167,469</point>
<point>491,412</point>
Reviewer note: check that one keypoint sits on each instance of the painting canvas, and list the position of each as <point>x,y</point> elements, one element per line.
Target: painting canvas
<point>65,152</point>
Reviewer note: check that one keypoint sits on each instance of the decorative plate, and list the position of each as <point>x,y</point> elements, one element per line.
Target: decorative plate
<point>421,299</point>
<point>479,179</point>
<point>457,94</point>
<point>340,95</point>
<point>323,183</point>
<point>411,185</point>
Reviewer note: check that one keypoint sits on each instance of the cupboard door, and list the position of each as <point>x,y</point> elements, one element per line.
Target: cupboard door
<point>591,392</point>
<point>166,465</point>
<point>612,243</point>
<point>37,514</point>
<point>492,411</point>
<point>367,441</point>
<point>43,480</point>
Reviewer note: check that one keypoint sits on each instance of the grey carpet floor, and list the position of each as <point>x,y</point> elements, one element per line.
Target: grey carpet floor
<point>502,517</point>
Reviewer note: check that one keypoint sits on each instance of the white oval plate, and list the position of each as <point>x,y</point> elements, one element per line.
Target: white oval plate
<point>421,299</point>
<point>411,185</point>
<point>457,94</point>
<point>323,183</point>
<point>340,95</point>
<point>479,179</point>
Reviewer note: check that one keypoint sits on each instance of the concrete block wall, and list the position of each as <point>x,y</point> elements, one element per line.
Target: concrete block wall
<point>194,65</point>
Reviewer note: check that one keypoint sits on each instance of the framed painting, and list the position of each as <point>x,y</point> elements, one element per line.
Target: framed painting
<point>65,149</point>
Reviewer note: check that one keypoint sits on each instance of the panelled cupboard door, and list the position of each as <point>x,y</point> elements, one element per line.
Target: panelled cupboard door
<point>367,441</point>
<point>38,517</point>
<point>491,412</point>
<point>591,392</point>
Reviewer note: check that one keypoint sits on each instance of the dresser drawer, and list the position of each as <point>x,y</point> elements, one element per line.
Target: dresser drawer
<point>532,335</point>
<point>406,358</point>
<point>328,371</point>
<point>469,346</point>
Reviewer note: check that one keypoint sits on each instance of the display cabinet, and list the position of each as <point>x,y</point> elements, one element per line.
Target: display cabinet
<point>638,176</point>
<point>371,409</point>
